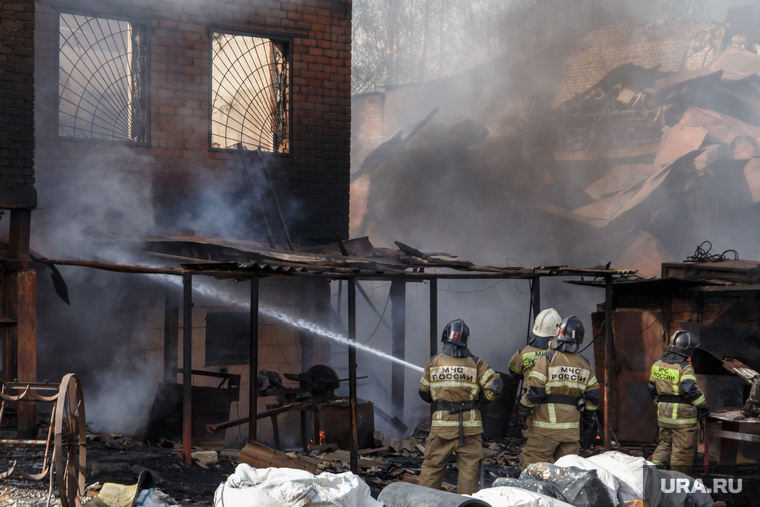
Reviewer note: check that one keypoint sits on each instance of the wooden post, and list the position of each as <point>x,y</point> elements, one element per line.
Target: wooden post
<point>26,326</point>
<point>18,236</point>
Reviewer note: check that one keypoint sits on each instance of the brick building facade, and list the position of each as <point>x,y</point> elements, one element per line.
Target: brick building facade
<point>150,98</point>
<point>311,178</point>
<point>17,104</point>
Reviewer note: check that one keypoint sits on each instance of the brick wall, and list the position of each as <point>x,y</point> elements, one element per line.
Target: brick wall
<point>312,181</point>
<point>663,43</point>
<point>17,104</point>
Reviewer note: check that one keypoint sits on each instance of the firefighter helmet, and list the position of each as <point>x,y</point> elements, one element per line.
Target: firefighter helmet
<point>546,325</point>
<point>456,332</point>
<point>571,330</point>
<point>683,342</point>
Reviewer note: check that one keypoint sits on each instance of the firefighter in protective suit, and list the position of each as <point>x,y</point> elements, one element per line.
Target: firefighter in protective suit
<point>545,328</point>
<point>563,395</point>
<point>680,404</point>
<point>456,382</point>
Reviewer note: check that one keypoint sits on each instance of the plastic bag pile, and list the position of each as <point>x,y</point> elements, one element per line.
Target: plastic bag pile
<point>612,479</point>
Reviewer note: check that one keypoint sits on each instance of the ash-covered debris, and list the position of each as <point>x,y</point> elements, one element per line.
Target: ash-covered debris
<point>189,486</point>
<point>637,169</point>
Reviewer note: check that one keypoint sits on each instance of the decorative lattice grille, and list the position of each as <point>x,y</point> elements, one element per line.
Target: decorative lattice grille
<point>102,68</point>
<point>250,93</point>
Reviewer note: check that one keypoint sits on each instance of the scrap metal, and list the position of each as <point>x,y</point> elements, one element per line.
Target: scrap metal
<point>65,445</point>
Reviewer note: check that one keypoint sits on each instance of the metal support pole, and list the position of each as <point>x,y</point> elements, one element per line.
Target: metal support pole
<point>434,317</point>
<point>535,295</point>
<point>353,423</point>
<point>253,390</point>
<point>398,346</point>
<point>433,325</point>
<point>171,335</point>
<point>607,361</point>
<point>187,362</point>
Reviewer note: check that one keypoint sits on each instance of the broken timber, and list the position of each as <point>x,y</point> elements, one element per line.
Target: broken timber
<point>260,456</point>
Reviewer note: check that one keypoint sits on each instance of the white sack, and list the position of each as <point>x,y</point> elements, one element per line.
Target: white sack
<point>506,496</point>
<point>629,471</point>
<point>609,480</point>
<point>281,487</point>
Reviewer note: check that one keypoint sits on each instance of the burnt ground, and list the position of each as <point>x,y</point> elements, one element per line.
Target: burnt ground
<point>190,486</point>
<point>193,486</point>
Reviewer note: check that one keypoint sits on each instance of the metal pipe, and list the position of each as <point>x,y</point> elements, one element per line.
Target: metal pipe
<point>253,391</point>
<point>433,317</point>
<point>398,346</point>
<point>171,334</point>
<point>433,326</point>
<point>607,360</point>
<point>405,494</point>
<point>187,362</point>
<point>353,423</point>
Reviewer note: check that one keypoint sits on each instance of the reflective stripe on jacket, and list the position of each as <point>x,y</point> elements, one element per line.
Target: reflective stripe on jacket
<point>675,379</point>
<point>450,378</point>
<point>523,361</point>
<point>561,373</point>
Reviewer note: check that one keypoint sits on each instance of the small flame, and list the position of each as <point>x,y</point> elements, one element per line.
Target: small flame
<point>319,441</point>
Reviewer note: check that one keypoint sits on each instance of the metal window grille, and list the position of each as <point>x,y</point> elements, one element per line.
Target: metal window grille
<point>250,92</point>
<point>101,79</point>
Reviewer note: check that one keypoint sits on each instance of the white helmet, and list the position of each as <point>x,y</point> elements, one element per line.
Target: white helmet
<point>547,323</point>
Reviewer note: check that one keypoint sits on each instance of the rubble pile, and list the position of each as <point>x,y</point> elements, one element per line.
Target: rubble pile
<point>638,169</point>
<point>702,128</point>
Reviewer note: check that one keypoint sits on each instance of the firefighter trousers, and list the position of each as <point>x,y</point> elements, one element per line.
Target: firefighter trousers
<point>677,448</point>
<point>437,453</point>
<point>545,445</point>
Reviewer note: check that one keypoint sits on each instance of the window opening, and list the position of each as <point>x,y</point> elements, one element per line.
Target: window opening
<point>102,70</point>
<point>250,93</point>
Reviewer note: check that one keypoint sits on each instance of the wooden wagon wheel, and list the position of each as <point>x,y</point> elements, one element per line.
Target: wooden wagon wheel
<point>70,442</point>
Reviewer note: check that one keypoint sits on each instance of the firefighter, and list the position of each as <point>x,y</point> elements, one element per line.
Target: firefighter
<point>456,382</point>
<point>545,328</point>
<point>563,396</point>
<point>680,404</point>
